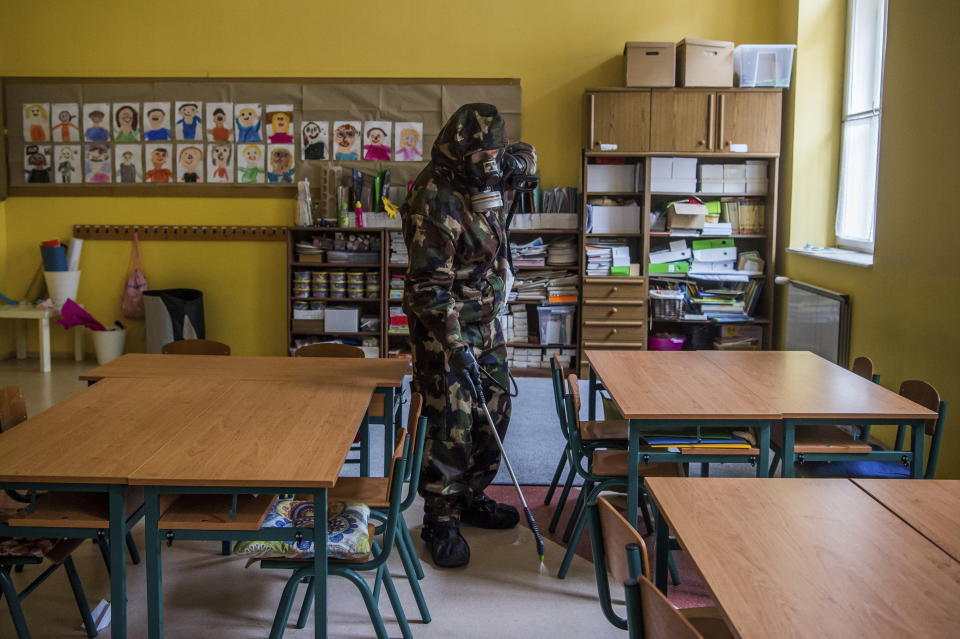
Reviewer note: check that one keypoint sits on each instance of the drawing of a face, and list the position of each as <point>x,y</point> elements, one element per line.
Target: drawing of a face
<point>252,155</point>
<point>156,118</point>
<point>35,159</point>
<point>66,155</point>
<point>188,111</point>
<point>219,117</point>
<point>126,118</point>
<point>281,122</point>
<point>96,117</point>
<point>345,136</point>
<point>247,116</point>
<point>311,132</point>
<point>281,160</point>
<point>190,159</point>
<point>36,112</point>
<point>409,138</point>
<point>64,116</point>
<point>127,157</point>
<point>376,136</point>
<point>158,158</point>
<point>96,157</point>
<point>221,155</point>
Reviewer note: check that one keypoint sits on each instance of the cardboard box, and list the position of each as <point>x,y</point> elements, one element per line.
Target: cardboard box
<point>616,178</point>
<point>341,319</point>
<point>650,64</point>
<point>705,63</point>
<point>615,219</point>
<point>683,215</point>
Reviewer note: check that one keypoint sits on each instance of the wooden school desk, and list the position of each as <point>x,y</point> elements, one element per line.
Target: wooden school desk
<point>385,373</point>
<point>258,438</point>
<point>809,558</point>
<point>91,443</point>
<point>675,390</point>
<point>807,389</point>
<point>931,507</point>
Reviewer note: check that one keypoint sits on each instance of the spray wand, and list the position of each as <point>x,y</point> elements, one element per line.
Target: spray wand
<point>516,484</point>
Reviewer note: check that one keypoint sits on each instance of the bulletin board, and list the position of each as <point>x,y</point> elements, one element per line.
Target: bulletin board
<point>82,166</point>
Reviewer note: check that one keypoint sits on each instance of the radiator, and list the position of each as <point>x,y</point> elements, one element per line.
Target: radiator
<point>818,320</point>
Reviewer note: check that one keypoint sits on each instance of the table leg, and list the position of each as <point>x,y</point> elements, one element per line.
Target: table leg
<point>78,343</point>
<point>388,428</point>
<point>20,330</point>
<point>633,475</point>
<point>154,548</point>
<point>118,562</point>
<point>789,437</point>
<point>44,344</point>
<point>763,462</point>
<point>592,398</point>
<point>662,553</point>
<point>916,467</point>
<point>320,564</point>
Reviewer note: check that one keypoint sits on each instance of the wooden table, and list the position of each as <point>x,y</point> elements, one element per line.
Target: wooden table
<point>675,389</point>
<point>931,507</point>
<point>809,558</point>
<point>259,437</point>
<point>92,442</point>
<point>385,373</point>
<point>808,390</point>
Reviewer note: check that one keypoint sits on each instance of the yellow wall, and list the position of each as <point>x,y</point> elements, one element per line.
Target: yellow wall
<point>905,307</point>
<point>556,49</point>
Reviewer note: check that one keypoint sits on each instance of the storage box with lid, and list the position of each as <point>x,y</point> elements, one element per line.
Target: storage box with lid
<point>763,65</point>
<point>705,63</point>
<point>650,64</point>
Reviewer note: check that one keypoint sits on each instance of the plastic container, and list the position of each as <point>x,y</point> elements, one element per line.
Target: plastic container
<point>666,343</point>
<point>763,65</point>
<point>108,345</point>
<point>62,285</point>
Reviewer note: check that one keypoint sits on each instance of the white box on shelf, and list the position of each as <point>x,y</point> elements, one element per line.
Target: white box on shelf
<point>662,257</point>
<point>713,187</point>
<point>615,219</point>
<point>616,178</point>
<point>756,187</point>
<point>305,314</point>
<point>341,319</point>
<point>713,267</point>
<point>559,221</point>
<point>665,185</point>
<point>733,172</point>
<point>711,172</point>
<point>685,168</point>
<point>756,169</point>
<point>521,221</point>
<point>734,187</point>
<point>661,168</point>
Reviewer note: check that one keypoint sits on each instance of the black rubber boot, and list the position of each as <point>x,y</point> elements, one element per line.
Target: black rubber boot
<point>447,546</point>
<point>483,512</point>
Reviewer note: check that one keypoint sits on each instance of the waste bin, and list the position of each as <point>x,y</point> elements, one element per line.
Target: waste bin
<point>172,314</point>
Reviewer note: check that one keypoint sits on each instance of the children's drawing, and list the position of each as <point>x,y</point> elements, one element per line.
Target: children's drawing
<point>281,167</point>
<point>36,164</point>
<point>128,163</point>
<point>220,163</point>
<point>36,122</point>
<point>313,140</point>
<point>66,122</point>
<point>376,140</point>
<point>280,123</point>
<point>189,123</point>
<point>346,140</point>
<point>250,164</point>
<point>160,163</point>
<point>219,121</point>
<point>96,118</point>
<point>66,164</point>
<point>408,146</point>
<point>126,122</point>
<point>96,167</point>
<point>156,121</point>
<point>247,118</point>
<point>189,163</point>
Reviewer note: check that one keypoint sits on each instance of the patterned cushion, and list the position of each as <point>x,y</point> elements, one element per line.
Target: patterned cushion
<point>26,547</point>
<point>347,530</point>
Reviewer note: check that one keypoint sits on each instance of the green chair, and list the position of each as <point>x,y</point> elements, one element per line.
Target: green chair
<point>650,615</point>
<point>302,569</point>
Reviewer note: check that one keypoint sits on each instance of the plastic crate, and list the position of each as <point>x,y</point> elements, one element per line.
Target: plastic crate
<point>763,65</point>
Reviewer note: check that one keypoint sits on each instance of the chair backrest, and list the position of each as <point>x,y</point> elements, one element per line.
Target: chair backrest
<point>417,425</point>
<point>330,350</point>
<point>922,393</point>
<point>13,407</point>
<point>573,387</point>
<point>863,366</point>
<point>556,378</point>
<point>658,618</point>
<point>195,347</point>
<point>398,471</point>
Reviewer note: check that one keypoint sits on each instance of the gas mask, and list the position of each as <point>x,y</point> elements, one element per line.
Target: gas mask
<point>485,174</point>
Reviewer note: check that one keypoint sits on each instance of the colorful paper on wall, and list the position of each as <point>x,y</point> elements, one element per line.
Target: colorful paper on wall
<point>189,123</point>
<point>65,117</point>
<point>159,162</point>
<point>156,121</point>
<point>36,164</point>
<point>189,163</point>
<point>377,136</point>
<point>36,122</point>
<point>280,123</point>
<point>409,142</point>
<point>250,163</point>
<point>96,120</point>
<point>219,121</point>
<point>66,164</point>
<point>248,118</point>
<point>220,163</point>
<point>126,122</point>
<point>128,163</point>
<point>96,164</point>
<point>346,140</point>
<point>280,164</point>
<point>314,138</point>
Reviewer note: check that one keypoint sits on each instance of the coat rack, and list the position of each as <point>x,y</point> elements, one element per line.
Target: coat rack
<point>180,232</point>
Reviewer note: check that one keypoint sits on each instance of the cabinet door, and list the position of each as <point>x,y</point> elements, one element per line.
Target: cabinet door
<point>751,118</point>
<point>682,120</point>
<point>619,118</point>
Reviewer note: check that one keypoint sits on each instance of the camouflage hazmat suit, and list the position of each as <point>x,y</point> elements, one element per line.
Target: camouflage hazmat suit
<point>454,290</point>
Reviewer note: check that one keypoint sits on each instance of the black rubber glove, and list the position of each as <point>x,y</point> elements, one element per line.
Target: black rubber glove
<point>465,368</point>
<point>512,166</point>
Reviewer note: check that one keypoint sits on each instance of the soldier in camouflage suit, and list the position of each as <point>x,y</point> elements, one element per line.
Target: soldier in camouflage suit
<point>455,288</point>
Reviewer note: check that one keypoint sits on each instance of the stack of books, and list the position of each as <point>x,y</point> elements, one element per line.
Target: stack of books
<point>563,290</point>
<point>397,283</point>
<point>530,254</point>
<point>534,287</point>
<point>398,249</point>
<point>745,215</point>
<point>735,302</point>
<point>398,321</point>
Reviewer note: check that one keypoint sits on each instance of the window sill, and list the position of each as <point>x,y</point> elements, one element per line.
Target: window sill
<point>844,256</point>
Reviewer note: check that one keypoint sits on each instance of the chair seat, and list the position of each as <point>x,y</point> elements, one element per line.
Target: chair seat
<point>708,622</point>
<point>372,491</point>
<point>613,463</point>
<point>604,429</point>
<point>333,560</point>
<point>827,439</point>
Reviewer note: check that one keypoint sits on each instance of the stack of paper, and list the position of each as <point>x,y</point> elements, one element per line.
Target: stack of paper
<point>398,249</point>
<point>398,321</point>
<point>717,228</point>
<point>563,289</point>
<point>536,286</point>
<point>601,254</point>
<point>530,254</point>
<point>397,283</point>
<point>562,252</point>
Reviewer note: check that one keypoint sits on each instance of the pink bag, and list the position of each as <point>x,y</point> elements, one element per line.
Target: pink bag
<point>131,303</point>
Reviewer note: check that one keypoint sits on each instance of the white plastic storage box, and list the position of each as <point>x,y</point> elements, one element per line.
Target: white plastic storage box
<point>341,319</point>
<point>612,178</point>
<point>614,219</point>
<point>763,65</point>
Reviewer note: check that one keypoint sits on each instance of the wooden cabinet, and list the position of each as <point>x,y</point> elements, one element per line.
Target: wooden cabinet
<point>709,121</point>
<point>618,117</point>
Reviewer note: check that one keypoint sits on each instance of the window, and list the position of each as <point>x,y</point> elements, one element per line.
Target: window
<point>860,141</point>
